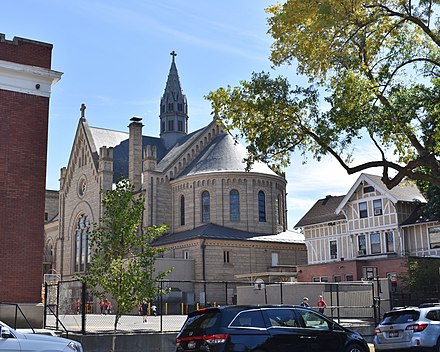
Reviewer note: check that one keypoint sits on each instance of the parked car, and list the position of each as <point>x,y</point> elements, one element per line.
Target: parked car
<point>265,329</point>
<point>14,341</point>
<point>410,328</point>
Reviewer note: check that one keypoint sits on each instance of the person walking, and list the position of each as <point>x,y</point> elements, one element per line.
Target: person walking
<point>321,304</point>
<point>144,311</point>
<point>305,302</point>
<point>154,310</point>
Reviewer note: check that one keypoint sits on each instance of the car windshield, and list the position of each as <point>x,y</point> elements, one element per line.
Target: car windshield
<point>401,317</point>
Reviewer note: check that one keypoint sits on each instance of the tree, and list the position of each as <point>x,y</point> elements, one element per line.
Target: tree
<point>122,260</point>
<point>376,62</point>
<point>422,275</point>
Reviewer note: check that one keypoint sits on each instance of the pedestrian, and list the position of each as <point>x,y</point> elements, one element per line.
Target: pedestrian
<point>144,311</point>
<point>321,304</point>
<point>305,302</point>
<point>154,310</point>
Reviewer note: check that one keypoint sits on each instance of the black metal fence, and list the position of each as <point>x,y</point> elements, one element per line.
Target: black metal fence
<point>70,307</point>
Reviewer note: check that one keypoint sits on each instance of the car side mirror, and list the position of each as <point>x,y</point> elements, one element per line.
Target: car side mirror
<point>5,332</point>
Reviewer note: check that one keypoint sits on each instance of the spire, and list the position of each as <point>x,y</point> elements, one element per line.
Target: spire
<point>173,108</point>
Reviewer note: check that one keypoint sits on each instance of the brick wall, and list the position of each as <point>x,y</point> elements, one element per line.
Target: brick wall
<point>26,52</point>
<point>23,150</point>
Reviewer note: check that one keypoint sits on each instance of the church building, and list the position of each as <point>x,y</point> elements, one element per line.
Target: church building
<point>224,222</point>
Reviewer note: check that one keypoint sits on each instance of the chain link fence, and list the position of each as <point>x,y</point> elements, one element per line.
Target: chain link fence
<point>70,307</point>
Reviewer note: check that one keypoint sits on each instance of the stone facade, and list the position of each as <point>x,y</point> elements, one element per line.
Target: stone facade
<point>25,83</point>
<point>222,219</point>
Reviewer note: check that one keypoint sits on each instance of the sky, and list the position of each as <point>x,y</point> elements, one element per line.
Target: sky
<point>115,58</point>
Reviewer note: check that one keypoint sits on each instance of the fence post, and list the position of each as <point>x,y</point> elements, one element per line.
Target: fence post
<point>281,293</point>
<point>58,305</point>
<point>83,308</point>
<point>331,300</point>
<point>45,305</point>
<point>161,306</point>
<point>226,293</point>
<point>337,302</point>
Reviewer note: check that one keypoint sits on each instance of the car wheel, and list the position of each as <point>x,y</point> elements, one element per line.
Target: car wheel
<point>437,347</point>
<point>354,348</point>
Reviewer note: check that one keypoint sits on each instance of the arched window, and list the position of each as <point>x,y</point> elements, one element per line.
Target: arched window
<point>279,209</point>
<point>182,210</point>
<point>261,207</point>
<point>234,205</point>
<point>82,248</point>
<point>206,207</point>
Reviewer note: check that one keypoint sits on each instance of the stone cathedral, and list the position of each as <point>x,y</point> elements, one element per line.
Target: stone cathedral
<point>225,223</point>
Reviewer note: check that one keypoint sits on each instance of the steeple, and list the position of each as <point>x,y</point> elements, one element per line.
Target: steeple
<point>173,108</point>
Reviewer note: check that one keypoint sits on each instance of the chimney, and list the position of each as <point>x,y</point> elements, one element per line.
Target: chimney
<point>135,152</point>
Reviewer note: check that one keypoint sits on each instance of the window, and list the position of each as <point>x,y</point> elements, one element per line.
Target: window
<point>377,206</point>
<point>261,207</point>
<point>368,189</point>
<point>274,258</point>
<point>247,319</point>
<point>82,248</point>
<point>46,216</point>
<point>349,277</point>
<point>375,243</point>
<point>320,279</point>
<point>313,320</point>
<point>362,245</point>
<point>333,250</point>
<point>389,237</point>
<point>234,205</point>
<point>337,278</point>
<point>179,106</point>
<point>162,126</point>
<point>279,209</point>
<point>180,126</point>
<point>433,315</point>
<point>282,317</point>
<point>363,211</point>
<point>369,272</point>
<point>226,256</point>
<point>206,207</point>
<point>434,237</point>
<point>186,255</point>
<point>170,107</point>
<point>170,125</point>
<point>182,210</point>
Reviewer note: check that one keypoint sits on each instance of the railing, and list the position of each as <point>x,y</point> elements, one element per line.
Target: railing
<point>18,309</point>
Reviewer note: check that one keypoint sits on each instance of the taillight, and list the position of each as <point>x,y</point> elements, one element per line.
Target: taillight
<point>211,339</point>
<point>417,327</point>
<point>217,338</point>
<point>377,331</point>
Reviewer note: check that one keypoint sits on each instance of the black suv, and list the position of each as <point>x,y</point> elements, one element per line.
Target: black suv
<point>265,329</point>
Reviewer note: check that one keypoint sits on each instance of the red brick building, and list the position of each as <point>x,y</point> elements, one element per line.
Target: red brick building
<point>25,85</point>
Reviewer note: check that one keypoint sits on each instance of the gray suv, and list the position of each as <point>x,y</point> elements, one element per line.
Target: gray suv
<point>409,328</point>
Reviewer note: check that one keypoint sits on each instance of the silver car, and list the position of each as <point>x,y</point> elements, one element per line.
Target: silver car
<point>14,341</point>
<point>412,328</point>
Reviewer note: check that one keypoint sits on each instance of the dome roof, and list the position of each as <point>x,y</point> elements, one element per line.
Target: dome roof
<point>224,154</point>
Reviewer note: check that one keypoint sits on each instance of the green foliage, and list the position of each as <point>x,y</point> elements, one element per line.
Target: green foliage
<point>377,62</point>
<point>422,275</point>
<point>122,261</point>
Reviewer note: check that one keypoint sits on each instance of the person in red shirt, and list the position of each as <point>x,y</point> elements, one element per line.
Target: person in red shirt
<point>321,304</point>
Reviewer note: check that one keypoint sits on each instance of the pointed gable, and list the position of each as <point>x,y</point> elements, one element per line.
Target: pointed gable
<point>404,192</point>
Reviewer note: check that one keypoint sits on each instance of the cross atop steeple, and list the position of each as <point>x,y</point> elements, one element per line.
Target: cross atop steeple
<point>83,111</point>
<point>173,54</point>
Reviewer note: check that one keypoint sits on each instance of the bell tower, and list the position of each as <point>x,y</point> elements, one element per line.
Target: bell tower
<point>173,108</point>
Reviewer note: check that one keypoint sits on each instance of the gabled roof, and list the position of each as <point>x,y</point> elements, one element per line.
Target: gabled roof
<point>418,217</point>
<point>323,211</point>
<point>214,231</point>
<point>223,154</point>
<point>404,192</point>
